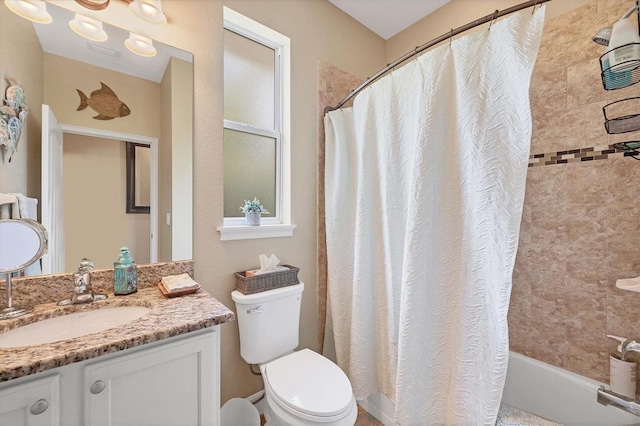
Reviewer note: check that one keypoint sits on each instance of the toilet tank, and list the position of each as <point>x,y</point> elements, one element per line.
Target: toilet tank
<point>269,322</point>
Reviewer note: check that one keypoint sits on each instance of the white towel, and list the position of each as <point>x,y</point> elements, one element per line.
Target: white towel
<point>27,207</point>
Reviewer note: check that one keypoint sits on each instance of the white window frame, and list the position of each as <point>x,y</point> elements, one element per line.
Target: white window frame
<point>279,226</point>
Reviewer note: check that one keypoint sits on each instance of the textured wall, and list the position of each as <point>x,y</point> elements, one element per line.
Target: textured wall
<point>581,220</point>
<point>318,30</point>
<point>22,59</point>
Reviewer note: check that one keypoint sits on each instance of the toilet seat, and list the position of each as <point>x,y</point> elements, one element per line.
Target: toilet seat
<point>308,385</point>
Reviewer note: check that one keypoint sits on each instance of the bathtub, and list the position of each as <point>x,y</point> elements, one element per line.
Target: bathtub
<point>559,395</point>
<point>540,389</point>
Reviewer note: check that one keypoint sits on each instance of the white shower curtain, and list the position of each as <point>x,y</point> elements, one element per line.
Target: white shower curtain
<point>425,180</point>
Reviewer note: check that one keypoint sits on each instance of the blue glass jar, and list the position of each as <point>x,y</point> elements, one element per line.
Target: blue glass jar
<point>125,274</point>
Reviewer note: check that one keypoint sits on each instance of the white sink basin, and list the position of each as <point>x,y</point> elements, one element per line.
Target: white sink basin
<point>70,326</point>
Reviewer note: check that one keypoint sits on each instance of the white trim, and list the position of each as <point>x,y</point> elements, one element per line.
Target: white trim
<point>153,189</point>
<point>245,26</point>
<point>229,233</point>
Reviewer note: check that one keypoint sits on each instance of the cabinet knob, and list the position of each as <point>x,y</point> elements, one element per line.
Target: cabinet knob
<point>97,387</point>
<point>39,407</point>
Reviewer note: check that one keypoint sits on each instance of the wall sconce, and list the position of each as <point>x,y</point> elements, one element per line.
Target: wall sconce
<point>148,10</point>
<point>88,28</point>
<point>140,45</point>
<point>33,10</point>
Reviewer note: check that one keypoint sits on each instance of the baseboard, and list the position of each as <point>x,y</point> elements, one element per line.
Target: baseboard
<point>380,407</point>
<point>257,399</point>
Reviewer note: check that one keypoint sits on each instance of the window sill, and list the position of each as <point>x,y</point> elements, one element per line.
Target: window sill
<point>229,233</point>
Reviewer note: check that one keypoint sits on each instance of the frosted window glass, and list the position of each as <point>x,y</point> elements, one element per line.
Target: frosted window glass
<point>249,171</point>
<point>249,81</point>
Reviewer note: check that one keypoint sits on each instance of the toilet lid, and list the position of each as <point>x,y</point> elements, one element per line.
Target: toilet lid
<point>310,383</point>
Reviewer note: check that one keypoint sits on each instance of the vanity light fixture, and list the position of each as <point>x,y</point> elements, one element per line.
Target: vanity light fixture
<point>94,4</point>
<point>88,28</point>
<point>148,10</point>
<point>33,10</point>
<point>140,45</point>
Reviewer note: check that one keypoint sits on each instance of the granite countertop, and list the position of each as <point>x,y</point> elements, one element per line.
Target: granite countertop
<point>168,317</point>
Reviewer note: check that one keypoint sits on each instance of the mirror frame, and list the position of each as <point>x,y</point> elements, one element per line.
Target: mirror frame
<point>131,179</point>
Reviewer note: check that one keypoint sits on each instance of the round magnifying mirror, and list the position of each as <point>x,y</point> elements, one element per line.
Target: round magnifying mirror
<point>22,243</point>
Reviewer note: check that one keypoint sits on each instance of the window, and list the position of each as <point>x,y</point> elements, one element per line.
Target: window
<point>256,127</point>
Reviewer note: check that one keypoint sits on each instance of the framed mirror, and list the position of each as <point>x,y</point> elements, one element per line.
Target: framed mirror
<point>53,64</point>
<point>138,183</point>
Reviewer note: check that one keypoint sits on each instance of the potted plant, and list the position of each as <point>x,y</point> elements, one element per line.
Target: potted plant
<point>252,211</point>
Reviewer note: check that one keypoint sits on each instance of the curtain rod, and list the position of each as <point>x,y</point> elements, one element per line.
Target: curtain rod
<point>488,18</point>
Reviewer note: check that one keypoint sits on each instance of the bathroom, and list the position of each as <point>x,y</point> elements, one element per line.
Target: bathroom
<point>577,231</point>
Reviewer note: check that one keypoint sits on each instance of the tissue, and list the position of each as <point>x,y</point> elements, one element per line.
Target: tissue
<point>267,264</point>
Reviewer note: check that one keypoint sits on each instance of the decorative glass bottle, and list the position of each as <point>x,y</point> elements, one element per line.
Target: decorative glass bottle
<point>125,274</point>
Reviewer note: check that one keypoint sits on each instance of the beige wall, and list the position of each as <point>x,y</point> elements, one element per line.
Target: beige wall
<point>181,159</point>
<point>457,13</point>
<point>580,222</point>
<point>22,59</point>
<point>63,76</point>
<point>164,161</point>
<point>318,30</point>
<point>95,204</point>
<point>176,153</point>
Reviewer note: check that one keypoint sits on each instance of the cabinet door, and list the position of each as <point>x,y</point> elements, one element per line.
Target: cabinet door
<point>170,384</point>
<point>35,402</point>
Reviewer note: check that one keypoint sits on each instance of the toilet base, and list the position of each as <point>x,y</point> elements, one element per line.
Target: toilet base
<point>276,416</point>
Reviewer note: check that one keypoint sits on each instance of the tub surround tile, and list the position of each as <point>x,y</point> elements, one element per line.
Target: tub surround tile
<point>589,268</point>
<point>581,79</point>
<point>577,155</point>
<point>548,95</point>
<point>167,318</point>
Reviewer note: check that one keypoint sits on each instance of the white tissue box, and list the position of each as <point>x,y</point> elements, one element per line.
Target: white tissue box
<point>282,276</point>
<point>255,272</point>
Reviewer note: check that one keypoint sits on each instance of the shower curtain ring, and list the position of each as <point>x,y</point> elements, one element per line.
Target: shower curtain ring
<point>450,36</point>
<point>533,9</point>
<point>493,18</point>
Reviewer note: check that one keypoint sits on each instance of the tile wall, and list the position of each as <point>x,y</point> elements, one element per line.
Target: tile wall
<point>581,222</point>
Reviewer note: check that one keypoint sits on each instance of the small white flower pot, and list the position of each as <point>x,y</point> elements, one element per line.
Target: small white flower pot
<point>252,218</point>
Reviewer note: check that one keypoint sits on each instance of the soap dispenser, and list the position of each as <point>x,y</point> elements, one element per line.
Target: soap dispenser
<point>622,374</point>
<point>125,274</point>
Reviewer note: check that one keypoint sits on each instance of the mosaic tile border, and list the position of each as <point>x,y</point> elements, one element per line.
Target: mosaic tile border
<point>577,155</point>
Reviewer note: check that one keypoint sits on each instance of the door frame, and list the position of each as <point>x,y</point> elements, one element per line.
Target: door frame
<point>152,142</point>
<point>153,189</point>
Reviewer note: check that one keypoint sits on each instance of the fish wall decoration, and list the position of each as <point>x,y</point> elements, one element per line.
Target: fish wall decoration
<point>13,116</point>
<point>105,102</point>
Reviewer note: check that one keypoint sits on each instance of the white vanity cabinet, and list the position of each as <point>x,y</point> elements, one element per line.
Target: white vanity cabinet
<point>35,402</point>
<point>167,385</point>
<point>175,381</point>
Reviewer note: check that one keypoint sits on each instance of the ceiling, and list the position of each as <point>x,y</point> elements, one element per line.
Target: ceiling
<point>388,17</point>
<point>58,39</point>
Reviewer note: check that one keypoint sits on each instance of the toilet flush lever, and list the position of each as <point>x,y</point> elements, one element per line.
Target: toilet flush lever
<point>257,310</point>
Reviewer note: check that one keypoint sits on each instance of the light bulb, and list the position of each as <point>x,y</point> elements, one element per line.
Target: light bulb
<point>33,10</point>
<point>88,28</point>
<point>140,45</point>
<point>148,10</point>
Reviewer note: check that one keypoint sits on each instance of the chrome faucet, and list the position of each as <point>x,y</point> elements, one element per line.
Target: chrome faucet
<point>629,346</point>
<point>82,291</point>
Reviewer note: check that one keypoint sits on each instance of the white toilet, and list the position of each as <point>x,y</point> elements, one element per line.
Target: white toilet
<point>303,387</point>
